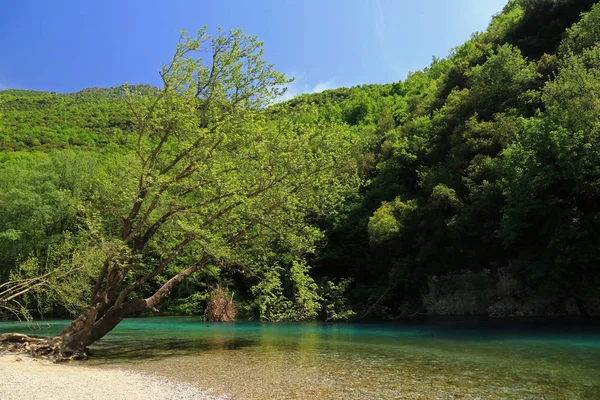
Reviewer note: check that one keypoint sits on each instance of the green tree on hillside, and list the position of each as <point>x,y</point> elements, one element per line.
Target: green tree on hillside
<point>210,176</point>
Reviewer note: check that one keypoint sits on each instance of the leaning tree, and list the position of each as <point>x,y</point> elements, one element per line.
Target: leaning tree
<point>215,166</point>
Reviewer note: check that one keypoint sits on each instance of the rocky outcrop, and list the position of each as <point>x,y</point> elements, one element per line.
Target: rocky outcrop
<point>499,295</point>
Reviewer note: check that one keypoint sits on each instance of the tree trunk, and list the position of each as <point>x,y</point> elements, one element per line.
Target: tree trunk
<point>70,344</point>
<point>85,330</point>
<point>91,325</point>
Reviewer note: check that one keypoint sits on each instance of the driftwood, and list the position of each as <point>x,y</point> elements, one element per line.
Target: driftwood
<point>220,308</point>
<point>36,346</point>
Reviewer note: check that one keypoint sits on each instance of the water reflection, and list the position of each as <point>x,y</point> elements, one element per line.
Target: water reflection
<point>426,359</point>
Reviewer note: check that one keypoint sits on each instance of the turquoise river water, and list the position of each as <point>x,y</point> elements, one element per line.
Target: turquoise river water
<point>429,359</point>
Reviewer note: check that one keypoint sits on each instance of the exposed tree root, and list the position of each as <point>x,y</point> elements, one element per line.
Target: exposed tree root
<point>40,347</point>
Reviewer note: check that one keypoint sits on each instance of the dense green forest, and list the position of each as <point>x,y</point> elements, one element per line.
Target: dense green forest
<point>479,186</point>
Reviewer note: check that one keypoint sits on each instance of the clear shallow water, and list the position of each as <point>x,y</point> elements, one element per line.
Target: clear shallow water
<point>432,359</point>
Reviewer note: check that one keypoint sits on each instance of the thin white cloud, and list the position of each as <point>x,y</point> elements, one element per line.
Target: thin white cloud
<point>4,83</point>
<point>379,19</point>
<point>322,86</point>
<point>383,40</point>
<point>289,94</point>
<point>296,88</point>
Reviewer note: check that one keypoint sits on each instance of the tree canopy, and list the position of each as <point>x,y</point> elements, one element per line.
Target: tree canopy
<point>335,204</point>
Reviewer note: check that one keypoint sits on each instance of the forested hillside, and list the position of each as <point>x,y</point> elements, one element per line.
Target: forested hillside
<point>479,193</point>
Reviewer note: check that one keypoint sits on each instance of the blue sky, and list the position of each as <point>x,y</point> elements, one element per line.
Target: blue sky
<point>66,46</point>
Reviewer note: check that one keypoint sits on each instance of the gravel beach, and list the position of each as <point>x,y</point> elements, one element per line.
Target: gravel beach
<point>37,379</point>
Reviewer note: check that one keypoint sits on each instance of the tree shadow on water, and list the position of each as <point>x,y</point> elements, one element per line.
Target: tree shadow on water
<point>132,350</point>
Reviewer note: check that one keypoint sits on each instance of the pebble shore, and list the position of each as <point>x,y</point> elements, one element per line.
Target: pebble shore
<point>27,378</point>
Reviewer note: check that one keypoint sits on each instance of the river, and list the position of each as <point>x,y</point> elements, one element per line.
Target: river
<point>427,359</point>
